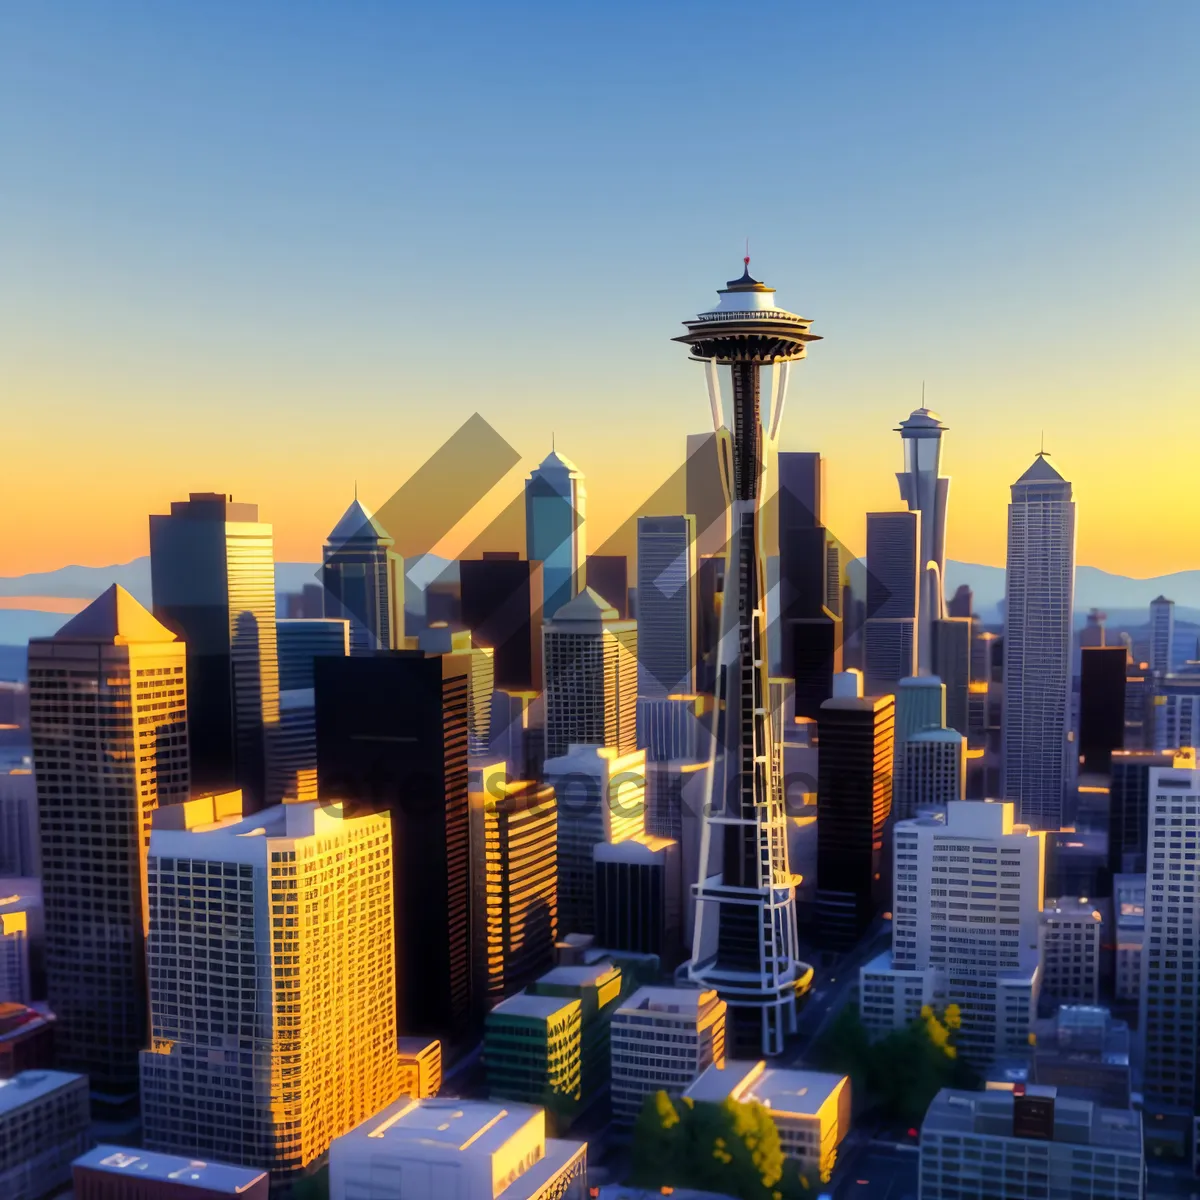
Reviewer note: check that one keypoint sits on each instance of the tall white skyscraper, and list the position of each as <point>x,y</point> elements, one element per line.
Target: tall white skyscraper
<point>555,509</point>
<point>272,981</point>
<point>666,605</point>
<point>1169,1017</point>
<point>1039,592</point>
<point>108,718</point>
<point>926,492</point>
<point>589,662</point>
<point>966,928</point>
<point>1162,634</point>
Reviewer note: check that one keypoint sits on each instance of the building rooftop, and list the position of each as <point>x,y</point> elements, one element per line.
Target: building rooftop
<point>801,1093</point>
<point>1076,1122</point>
<point>114,616</point>
<point>643,848</point>
<point>591,975</point>
<point>1040,471</point>
<point>358,525</point>
<point>448,1125</point>
<point>221,1178</point>
<point>587,605</point>
<point>28,1086</point>
<point>1071,908</point>
<point>668,1000</point>
<point>542,1008</point>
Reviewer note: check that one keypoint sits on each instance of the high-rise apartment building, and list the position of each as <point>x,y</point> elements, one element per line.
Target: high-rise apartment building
<point>363,577</point>
<point>601,798</point>
<point>1162,635</point>
<point>555,532</point>
<point>893,599</point>
<point>272,988</point>
<point>666,592</point>
<point>925,491</point>
<point>20,854</point>
<point>950,640</point>
<point>637,907</point>
<point>108,718</point>
<point>392,737</point>
<point>966,927</point>
<point>1169,1015</point>
<point>1028,1141</point>
<point>1039,591</point>
<point>854,800</point>
<point>212,571</point>
<point>1177,712</point>
<point>590,664</point>
<point>663,1039</point>
<point>502,607</point>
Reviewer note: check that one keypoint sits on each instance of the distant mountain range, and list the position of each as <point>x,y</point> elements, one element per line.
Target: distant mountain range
<point>1125,600</point>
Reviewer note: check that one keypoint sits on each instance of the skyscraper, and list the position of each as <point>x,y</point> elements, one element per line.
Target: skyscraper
<point>300,640</point>
<point>706,499</point>
<point>601,797</point>
<point>893,600</point>
<point>502,607</point>
<point>926,492</point>
<point>931,772</point>
<point>555,509</point>
<point>589,657</point>
<point>392,738</point>
<point>666,590</point>
<point>213,575</point>
<point>1129,803</point>
<point>951,663</point>
<point>854,800</point>
<point>977,948</point>
<point>108,716</point>
<point>608,576</point>
<point>1162,634</point>
<point>1039,590</point>
<point>1169,1018</point>
<point>809,583</point>
<point>272,992</point>
<point>364,581</point>
<point>745,937</point>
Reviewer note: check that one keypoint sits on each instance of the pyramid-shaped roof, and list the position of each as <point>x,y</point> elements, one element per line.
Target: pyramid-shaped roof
<point>557,462</point>
<point>115,616</point>
<point>588,605</point>
<point>358,525</point>
<point>1040,471</point>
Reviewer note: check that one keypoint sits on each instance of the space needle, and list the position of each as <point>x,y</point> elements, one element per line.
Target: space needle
<point>745,933</point>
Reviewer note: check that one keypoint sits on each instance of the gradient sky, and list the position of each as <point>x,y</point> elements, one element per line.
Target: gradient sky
<point>270,249</point>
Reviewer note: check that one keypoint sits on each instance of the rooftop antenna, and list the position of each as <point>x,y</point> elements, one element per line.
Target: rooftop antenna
<point>553,447</point>
<point>1042,452</point>
<point>746,260</point>
<point>922,393</point>
<point>356,491</point>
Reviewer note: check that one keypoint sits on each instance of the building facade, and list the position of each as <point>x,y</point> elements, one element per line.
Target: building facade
<point>893,599</point>
<point>502,607</point>
<point>1027,1142</point>
<point>601,798</point>
<point>1071,951</point>
<point>662,1040</point>
<point>637,907</point>
<point>932,772</point>
<point>666,605</point>
<point>44,1125</point>
<point>272,989</point>
<point>1039,594</point>
<point>966,928</point>
<point>533,1051</point>
<point>300,640</point>
<point>109,723</point>
<point>590,661</point>
<point>212,571</point>
<point>1162,635</point>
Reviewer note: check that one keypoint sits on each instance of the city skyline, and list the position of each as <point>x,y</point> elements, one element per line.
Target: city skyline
<point>241,291</point>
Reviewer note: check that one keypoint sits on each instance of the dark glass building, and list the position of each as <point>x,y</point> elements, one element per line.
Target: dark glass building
<point>889,631</point>
<point>1128,806</point>
<point>854,800</point>
<point>637,896</point>
<point>392,737</point>
<point>502,607</point>
<point>608,574</point>
<point>1101,706</point>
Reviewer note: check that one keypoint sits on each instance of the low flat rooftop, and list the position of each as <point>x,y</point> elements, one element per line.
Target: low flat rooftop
<point>668,1000</point>
<point>28,1086</point>
<point>170,1168</point>
<point>777,1088</point>
<point>540,1007</point>
<point>447,1125</point>
<point>587,976</point>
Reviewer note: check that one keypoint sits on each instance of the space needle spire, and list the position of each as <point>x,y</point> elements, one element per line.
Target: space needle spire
<point>745,942</point>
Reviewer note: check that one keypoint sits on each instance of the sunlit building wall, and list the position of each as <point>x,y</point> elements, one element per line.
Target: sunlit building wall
<point>272,983</point>
<point>533,1051</point>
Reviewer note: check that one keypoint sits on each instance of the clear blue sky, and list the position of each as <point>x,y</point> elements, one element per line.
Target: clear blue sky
<point>220,217</point>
